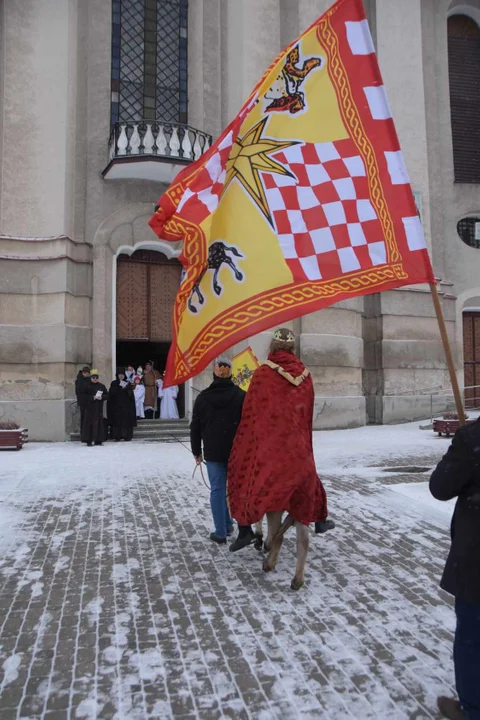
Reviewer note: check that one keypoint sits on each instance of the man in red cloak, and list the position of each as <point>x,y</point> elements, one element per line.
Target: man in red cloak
<point>272,467</point>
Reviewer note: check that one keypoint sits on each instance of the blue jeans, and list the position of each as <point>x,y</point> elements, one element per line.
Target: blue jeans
<point>466,656</point>
<point>217,474</point>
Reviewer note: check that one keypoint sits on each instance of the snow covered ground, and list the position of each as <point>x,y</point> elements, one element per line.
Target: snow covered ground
<point>114,604</point>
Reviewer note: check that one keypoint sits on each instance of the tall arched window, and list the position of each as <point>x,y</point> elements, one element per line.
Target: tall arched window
<point>149,60</point>
<point>464,68</point>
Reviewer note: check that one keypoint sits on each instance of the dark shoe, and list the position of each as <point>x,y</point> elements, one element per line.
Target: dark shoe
<point>450,708</point>
<point>323,527</point>
<point>99,444</point>
<point>117,439</point>
<point>258,542</point>
<point>243,539</point>
<point>89,444</point>
<point>220,541</point>
<point>230,531</point>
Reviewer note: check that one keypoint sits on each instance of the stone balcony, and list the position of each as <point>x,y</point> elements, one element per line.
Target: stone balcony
<point>148,150</point>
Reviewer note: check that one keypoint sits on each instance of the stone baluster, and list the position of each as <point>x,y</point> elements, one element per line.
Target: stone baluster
<point>174,143</point>
<point>187,145</point>
<point>135,141</point>
<point>162,144</point>
<point>149,141</point>
<point>122,142</point>
<point>197,148</point>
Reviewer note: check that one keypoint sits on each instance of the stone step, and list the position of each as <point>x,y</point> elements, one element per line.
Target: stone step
<point>148,437</point>
<point>163,433</point>
<point>163,423</point>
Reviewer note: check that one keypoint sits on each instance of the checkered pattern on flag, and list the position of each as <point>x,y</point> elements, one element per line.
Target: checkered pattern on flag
<point>304,200</point>
<point>325,222</point>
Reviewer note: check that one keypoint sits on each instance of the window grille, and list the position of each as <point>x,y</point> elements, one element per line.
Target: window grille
<point>149,61</point>
<point>469,231</point>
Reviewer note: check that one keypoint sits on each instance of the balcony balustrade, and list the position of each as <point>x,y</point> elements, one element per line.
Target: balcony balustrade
<point>148,150</point>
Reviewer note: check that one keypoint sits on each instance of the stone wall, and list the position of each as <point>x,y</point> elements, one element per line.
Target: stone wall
<point>404,356</point>
<point>45,331</point>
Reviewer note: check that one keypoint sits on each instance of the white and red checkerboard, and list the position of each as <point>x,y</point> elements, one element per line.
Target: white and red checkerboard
<point>323,217</point>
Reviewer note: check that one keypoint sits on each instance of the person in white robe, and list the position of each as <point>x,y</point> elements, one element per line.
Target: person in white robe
<point>168,398</point>
<point>139,394</point>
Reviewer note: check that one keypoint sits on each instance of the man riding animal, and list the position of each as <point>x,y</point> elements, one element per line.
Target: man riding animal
<point>272,467</point>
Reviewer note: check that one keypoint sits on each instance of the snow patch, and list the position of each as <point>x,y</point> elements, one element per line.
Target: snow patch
<point>10,668</point>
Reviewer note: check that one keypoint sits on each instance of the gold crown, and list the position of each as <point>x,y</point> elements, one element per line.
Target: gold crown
<point>290,337</point>
<point>94,371</point>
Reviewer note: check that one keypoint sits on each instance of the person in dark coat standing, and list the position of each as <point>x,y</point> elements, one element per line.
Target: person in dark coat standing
<point>216,417</point>
<point>93,431</point>
<point>121,408</point>
<point>81,383</point>
<point>458,476</point>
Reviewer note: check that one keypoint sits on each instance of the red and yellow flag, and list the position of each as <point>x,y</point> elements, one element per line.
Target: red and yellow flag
<point>243,366</point>
<point>303,201</point>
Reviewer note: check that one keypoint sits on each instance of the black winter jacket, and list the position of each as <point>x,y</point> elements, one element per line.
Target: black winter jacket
<point>458,475</point>
<point>216,417</point>
<point>81,388</point>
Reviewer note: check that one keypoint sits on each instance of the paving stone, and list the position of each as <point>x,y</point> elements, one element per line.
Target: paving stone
<point>112,597</point>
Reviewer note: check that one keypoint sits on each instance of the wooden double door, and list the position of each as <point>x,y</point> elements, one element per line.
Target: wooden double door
<point>471,354</point>
<point>147,284</point>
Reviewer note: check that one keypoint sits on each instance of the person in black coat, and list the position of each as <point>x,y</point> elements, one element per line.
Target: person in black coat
<point>83,379</point>
<point>216,416</point>
<point>458,476</point>
<point>121,408</point>
<point>93,430</point>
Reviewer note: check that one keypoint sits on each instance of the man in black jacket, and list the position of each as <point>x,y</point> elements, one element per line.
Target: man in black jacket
<point>216,417</point>
<point>458,475</point>
<point>81,384</point>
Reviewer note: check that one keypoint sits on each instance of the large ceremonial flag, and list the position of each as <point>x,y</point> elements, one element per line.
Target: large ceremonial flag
<point>303,201</point>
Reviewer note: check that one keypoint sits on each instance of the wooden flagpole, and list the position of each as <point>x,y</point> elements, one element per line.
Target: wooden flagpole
<point>448,354</point>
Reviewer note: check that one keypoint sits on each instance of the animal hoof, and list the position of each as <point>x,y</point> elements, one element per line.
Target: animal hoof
<point>297,584</point>
<point>267,567</point>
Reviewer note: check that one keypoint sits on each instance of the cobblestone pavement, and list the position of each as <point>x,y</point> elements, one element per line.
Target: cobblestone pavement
<point>114,604</point>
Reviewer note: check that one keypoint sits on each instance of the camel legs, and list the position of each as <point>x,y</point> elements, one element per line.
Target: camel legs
<point>276,531</point>
<point>302,551</point>
<point>274,522</point>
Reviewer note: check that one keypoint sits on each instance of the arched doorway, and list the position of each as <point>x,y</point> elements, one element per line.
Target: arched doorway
<point>471,355</point>
<point>146,286</point>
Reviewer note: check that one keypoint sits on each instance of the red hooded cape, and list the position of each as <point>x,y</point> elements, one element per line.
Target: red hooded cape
<point>272,467</point>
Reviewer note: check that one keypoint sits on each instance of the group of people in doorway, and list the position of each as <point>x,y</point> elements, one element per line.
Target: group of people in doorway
<point>133,395</point>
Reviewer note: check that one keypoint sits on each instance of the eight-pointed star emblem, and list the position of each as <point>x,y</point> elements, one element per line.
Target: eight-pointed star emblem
<point>250,155</point>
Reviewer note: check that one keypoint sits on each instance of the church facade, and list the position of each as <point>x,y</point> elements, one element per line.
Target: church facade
<point>103,101</point>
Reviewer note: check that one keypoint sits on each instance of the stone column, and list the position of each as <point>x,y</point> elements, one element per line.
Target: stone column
<point>38,117</point>
<point>204,66</point>
<point>250,40</point>
<point>45,264</point>
<point>103,307</point>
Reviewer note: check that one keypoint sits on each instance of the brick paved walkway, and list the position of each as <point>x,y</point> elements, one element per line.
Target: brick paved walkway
<point>113,604</point>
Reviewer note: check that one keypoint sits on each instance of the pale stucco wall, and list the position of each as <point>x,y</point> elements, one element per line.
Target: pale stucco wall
<point>57,297</point>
